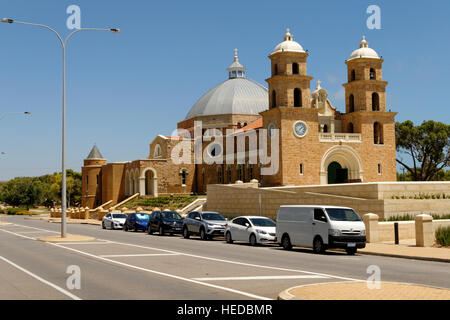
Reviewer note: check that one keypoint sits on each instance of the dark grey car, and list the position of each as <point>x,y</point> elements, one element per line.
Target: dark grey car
<point>206,224</point>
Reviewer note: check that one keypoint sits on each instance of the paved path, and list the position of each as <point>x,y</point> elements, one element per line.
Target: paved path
<point>130,265</point>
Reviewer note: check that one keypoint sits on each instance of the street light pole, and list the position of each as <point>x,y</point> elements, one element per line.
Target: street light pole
<point>63,165</point>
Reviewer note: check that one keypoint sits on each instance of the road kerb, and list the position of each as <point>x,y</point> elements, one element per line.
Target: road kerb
<point>69,238</point>
<point>360,290</point>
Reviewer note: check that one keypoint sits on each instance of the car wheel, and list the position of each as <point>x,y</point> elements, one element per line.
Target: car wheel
<point>351,251</point>
<point>161,231</point>
<point>149,230</point>
<point>318,246</point>
<point>186,234</point>
<point>252,240</point>
<point>228,237</point>
<point>135,229</point>
<point>203,234</point>
<point>286,242</point>
<point>103,225</point>
<point>125,227</point>
<point>112,226</point>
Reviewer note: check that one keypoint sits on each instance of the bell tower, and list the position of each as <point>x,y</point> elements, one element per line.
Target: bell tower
<point>289,85</point>
<point>91,177</point>
<point>365,89</point>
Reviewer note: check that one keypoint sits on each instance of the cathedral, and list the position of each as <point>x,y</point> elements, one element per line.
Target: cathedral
<point>316,145</point>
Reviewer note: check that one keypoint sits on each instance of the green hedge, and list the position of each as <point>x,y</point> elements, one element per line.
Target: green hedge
<point>443,236</point>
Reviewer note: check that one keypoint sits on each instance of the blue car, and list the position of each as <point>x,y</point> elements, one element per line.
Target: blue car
<point>136,221</point>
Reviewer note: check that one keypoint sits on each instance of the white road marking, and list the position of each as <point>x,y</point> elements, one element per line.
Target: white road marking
<point>19,235</point>
<point>247,294</point>
<point>238,263</point>
<point>262,278</point>
<point>54,286</point>
<point>138,255</point>
<point>87,242</point>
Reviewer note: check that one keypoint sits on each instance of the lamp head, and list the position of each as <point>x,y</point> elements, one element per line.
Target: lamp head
<point>6,20</point>
<point>115,30</point>
<point>27,112</point>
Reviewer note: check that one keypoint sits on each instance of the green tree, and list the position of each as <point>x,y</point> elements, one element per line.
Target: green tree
<point>23,192</point>
<point>427,145</point>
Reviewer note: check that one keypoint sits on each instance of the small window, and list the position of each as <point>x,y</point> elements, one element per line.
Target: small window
<point>97,179</point>
<point>301,169</point>
<point>373,75</point>
<point>297,97</point>
<point>351,103</point>
<point>375,102</point>
<point>239,172</point>
<point>183,177</point>
<point>219,174</point>
<point>319,215</point>
<point>275,69</point>
<point>325,128</point>
<point>350,128</point>
<point>229,174</point>
<point>295,68</point>
<point>353,76</point>
<point>379,168</point>
<point>274,99</point>
<point>250,172</point>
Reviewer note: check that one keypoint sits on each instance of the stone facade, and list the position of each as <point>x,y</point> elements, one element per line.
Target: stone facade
<point>356,146</point>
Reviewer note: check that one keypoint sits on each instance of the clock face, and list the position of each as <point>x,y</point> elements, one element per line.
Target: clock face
<point>300,129</point>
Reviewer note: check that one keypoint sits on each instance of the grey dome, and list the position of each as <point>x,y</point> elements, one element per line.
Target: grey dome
<point>233,96</point>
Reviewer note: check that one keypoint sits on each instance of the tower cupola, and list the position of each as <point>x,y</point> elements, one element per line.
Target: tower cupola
<point>236,69</point>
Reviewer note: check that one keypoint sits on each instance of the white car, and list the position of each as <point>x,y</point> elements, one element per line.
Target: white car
<point>114,220</point>
<point>252,229</point>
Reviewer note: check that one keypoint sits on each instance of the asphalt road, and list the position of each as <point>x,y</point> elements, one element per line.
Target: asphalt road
<point>134,265</point>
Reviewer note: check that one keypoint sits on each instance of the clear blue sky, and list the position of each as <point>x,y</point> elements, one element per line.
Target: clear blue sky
<point>125,89</point>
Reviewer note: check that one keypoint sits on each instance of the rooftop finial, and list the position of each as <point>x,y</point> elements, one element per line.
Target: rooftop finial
<point>318,84</point>
<point>363,43</point>
<point>288,36</point>
<point>236,55</point>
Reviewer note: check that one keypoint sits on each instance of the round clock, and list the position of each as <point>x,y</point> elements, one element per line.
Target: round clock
<point>300,129</point>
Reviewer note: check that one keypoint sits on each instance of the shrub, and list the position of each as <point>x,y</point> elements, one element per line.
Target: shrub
<point>12,211</point>
<point>443,236</point>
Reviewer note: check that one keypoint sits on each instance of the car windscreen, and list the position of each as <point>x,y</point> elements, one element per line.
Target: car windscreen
<point>170,215</point>
<point>142,216</point>
<point>261,222</point>
<point>212,216</point>
<point>119,216</point>
<point>338,214</point>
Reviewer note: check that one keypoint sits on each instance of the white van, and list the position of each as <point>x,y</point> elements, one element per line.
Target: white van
<point>320,227</point>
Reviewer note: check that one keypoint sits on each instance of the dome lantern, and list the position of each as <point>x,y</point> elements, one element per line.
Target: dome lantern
<point>236,69</point>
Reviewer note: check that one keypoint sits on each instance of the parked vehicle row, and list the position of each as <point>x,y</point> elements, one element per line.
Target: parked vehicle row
<point>316,227</point>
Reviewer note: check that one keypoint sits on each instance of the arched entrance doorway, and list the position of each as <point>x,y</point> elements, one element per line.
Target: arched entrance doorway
<point>337,174</point>
<point>340,164</point>
<point>149,182</point>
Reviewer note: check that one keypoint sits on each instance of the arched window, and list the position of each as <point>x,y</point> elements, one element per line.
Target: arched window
<point>297,97</point>
<point>275,69</point>
<point>377,133</point>
<point>325,128</point>
<point>375,102</point>
<point>219,174</point>
<point>295,68</point>
<point>351,103</point>
<point>158,151</point>
<point>239,125</point>
<point>353,75</point>
<point>274,99</point>
<point>350,128</point>
<point>250,172</point>
<point>372,74</point>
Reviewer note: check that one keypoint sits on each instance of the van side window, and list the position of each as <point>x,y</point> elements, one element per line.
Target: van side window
<point>319,215</point>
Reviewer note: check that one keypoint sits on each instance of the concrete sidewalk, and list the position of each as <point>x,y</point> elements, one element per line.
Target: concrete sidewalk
<point>407,249</point>
<point>360,291</point>
<point>68,220</point>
